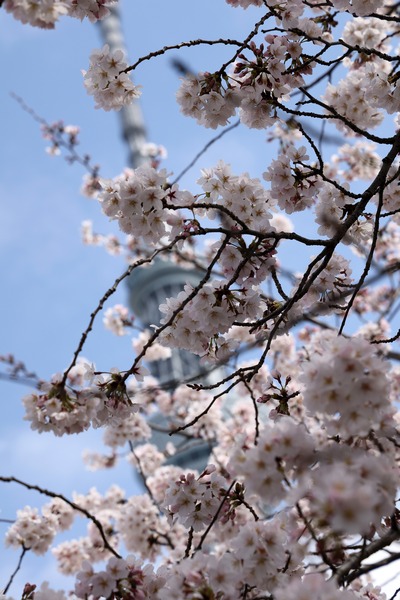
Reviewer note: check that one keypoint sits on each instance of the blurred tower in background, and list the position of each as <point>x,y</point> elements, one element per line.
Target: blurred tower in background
<point>150,286</point>
<point>131,117</point>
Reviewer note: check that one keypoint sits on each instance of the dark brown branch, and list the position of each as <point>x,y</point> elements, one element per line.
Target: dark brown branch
<point>255,406</point>
<point>76,507</point>
<point>343,573</point>
<point>213,520</point>
<point>199,42</point>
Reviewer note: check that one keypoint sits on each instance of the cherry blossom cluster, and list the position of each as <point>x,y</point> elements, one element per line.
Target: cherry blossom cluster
<point>122,578</point>
<point>325,295</point>
<point>350,98</point>
<point>155,152</point>
<point>133,428</point>
<point>65,410</point>
<point>107,81</point>
<point>283,450</point>
<point>368,87</point>
<point>110,242</point>
<point>255,85</point>
<point>242,195</point>
<point>200,325</point>
<point>72,553</point>
<point>145,206</point>
<point>366,33</point>
<point>258,553</point>
<point>245,3</point>
<point>154,352</point>
<point>332,207</point>
<point>314,586</point>
<point>360,159</point>
<point>195,501</point>
<point>360,8</point>
<point>45,13</point>
<point>225,574</point>
<point>128,576</point>
<point>391,202</point>
<point>117,319</point>
<point>283,454</point>
<point>141,526</point>
<point>329,490</point>
<point>374,299</point>
<point>294,186</point>
<point>207,100</point>
<point>94,10</point>
<point>147,458</point>
<point>355,383</point>
<point>136,201</point>
<point>36,532</point>
<point>330,286</point>
<point>136,522</point>
<point>60,135</point>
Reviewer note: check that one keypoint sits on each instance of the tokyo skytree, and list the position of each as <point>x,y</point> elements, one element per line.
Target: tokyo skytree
<point>149,287</point>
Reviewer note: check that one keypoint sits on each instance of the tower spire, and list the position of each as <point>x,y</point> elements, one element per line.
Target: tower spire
<point>132,124</point>
<point>149,287</point>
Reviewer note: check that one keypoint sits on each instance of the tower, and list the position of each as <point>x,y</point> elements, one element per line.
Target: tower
<point>150,286</point>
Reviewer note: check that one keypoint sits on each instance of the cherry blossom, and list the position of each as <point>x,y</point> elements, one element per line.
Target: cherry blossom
<point>355,384</point>
<point>45,13</point>
<point>106,80</point>
<point>42,13</point>
<point>93,9</point>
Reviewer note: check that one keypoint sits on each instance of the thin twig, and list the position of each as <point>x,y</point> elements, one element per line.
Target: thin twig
<point>353,564</point>
<point>204,150</point>
<point>255,406</point>
<point>213,520</point>
<point>199,42</point>
<point>367,263</point>
<point>23,552</point>
<point>76,507</point>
